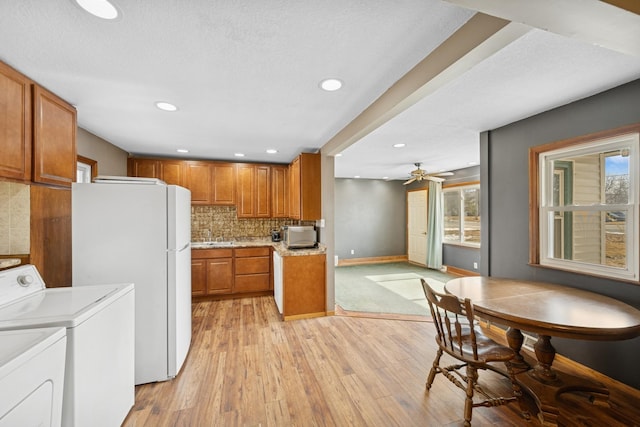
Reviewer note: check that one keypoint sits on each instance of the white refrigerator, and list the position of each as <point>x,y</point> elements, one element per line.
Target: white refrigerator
<point>139,230</point>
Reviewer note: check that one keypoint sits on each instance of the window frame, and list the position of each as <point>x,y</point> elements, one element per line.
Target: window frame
<point>460,187</point>
<point>537,155</point>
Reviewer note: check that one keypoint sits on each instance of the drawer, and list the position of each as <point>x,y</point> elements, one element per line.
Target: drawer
<point>252,283</point>
<point>211,253</point>
<point>248,252</point>
<point>253,265</point>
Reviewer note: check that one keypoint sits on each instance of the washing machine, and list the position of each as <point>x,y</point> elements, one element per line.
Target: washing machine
<point>32,377</point>
<point>99,324</point>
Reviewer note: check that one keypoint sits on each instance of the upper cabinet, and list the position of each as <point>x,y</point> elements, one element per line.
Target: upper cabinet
<point>253,198</point>
<point>15,124</point>
<point>37,132</point>
<point>257,190</point>
<point>224,184</point>
<point>304,187</point>
<point>279,191</point>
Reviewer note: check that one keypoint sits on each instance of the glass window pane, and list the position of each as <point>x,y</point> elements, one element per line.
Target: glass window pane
<point>471,215</point>
<point>617,177</point>
<point>451,216</point>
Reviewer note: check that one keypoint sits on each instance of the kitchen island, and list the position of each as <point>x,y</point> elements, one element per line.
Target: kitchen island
<point>254,267</point>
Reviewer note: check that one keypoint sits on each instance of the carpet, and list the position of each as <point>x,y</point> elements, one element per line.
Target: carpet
<point>386,288</point>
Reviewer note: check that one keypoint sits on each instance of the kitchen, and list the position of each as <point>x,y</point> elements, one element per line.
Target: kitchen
<point>50,218</point>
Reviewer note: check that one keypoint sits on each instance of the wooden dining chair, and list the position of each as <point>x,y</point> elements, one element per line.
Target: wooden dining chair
<point>460,337</point>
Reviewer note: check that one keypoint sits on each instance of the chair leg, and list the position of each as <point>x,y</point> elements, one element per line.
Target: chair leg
<point>517,391</point>
<point>472,377</point>
<point>434,369</point>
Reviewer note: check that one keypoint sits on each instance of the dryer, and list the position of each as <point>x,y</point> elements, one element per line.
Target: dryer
<point>99,323</point>
<point>32,377</point>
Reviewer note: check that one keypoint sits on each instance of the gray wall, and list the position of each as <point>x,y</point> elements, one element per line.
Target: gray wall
<point>505,215</point>
<point>370,218</point>
<point>111,159</point>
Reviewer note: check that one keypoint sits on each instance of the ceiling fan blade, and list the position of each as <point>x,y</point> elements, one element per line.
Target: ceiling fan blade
<point>409,181</point>
<point>434,178</point>
<point>443,174</point>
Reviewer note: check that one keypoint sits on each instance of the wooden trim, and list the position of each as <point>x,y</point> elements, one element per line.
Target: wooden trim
<point>460,184</point>
<point>372,260</point>
<point>90,162</point>
<point>534,190</point>
<point>461,272</point>
<point>304,316</point>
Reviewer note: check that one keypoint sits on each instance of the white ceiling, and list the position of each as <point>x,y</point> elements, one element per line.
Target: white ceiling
<point>245,74</point>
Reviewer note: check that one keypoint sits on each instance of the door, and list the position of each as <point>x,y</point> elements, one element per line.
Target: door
<point>417,227</point>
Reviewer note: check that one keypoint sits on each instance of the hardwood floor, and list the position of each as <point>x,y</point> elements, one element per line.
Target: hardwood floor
<point>247,368</point>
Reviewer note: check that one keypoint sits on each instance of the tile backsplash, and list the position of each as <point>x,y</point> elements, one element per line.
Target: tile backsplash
<point>223,222</point>
<point>15,206</point>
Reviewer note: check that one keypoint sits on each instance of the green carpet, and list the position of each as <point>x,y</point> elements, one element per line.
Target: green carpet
<point>392,288</point>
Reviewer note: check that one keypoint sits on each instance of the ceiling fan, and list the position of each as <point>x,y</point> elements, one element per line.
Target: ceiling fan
<point>420,174</point>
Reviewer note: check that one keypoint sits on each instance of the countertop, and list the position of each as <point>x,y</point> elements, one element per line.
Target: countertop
<point>253,242</point>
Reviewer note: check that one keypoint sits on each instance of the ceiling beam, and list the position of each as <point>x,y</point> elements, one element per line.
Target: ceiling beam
<point>612,24</point>
<point>479,38</point>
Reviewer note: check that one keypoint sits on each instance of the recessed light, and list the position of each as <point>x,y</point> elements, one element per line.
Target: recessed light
<point>272,151</point>
<point>357,176</point>
<point>166,106</point>
<point>399,145</point>
<point>472,163</point>
<point>331,84</point>
<point>182,150</point>
<point>100,8</point>
<point>385,177</point>
<point>239,154</point>
<point>338,155</point>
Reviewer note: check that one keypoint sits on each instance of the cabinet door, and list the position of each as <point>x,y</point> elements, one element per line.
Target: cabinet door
<point>219,275</point>
<point>54,139</point>
<point>279,196</point>
<point>15,124</point>
<point>262,195</point>
<point>198,277</point>
<point>224,184</point>
<point>310,187</point>
<point>245,194</point>
<point>198,180</point>
<point>172,172</point>
<point>294,189</point>
<point>144,168</point>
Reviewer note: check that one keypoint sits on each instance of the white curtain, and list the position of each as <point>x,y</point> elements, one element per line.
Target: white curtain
<point>434,226</point>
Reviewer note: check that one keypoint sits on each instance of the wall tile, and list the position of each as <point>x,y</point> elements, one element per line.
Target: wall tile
<point>15,208</point>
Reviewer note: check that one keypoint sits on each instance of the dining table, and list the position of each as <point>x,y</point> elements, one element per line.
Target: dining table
<point>548,310</point>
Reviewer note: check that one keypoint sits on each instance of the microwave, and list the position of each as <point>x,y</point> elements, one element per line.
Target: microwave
<point>300,236</point>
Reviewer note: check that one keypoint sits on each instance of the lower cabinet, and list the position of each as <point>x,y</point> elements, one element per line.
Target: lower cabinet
<point>252,269</point>
<point>300,285</point>
<point>230,271</point>
<point>211,271</point>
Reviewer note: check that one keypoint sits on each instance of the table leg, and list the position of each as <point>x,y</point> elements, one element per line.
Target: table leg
<point>546,384</point>
<point>515,340</point>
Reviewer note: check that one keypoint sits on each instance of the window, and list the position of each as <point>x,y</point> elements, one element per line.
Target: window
<point>462,214</point>
<point>587,209</point>
<point>86,169</point>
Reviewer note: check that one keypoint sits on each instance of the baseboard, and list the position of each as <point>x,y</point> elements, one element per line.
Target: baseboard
<point>461,272</point>
<point>372,260</point>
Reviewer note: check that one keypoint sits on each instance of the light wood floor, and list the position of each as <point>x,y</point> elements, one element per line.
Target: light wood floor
<point>247,368</point>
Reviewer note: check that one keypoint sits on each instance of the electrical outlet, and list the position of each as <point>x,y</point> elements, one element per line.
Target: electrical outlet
<point>475,265</point>
<point>353,251</point>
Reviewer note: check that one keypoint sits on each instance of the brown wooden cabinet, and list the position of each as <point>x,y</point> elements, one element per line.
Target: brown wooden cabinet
<point>279,191</point>
<point>224,184</point>
<point>54,139</point>
<point>211,271</point>
<point>253,199</point>
<point>304,187</point>
<point>168,170</point>
<point>304,286</point>
<point>198,181</point>
<point>252,269</point>
<point>15,124</point>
